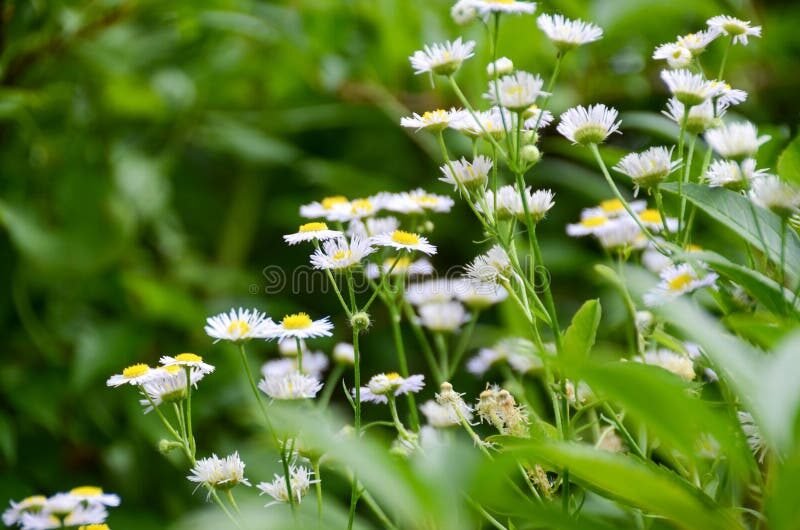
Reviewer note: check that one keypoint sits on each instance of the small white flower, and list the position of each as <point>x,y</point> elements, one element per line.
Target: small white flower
<point>340,253</point>
<point>463,12</point>
<point>310,232</point>
<point>382,385</point>
<point>136,375</point>
<point>471,175</point>
<point>536,118</point>
<point>592,125</point>
<point>355,209</point>
<point>493,267</point>
<point>621,235</point>
<point>439,416</point>
<point>169,386</point>
<point>727,96</point>
<point>567,34</point>
<point>614,208</point>
<point>508,203</point>
<point>402,240</point>
<point>740,30</point>
<point>240,325</point>
<point>479,295</point>
<point>372,226</point>
<point>314,364</point>
<point>417,201</point>
<point>539,203</point>
<point>442,58</point>
<point>519,353</point>
<point>190,360</point>
<point>699,41</point>
<point>736,140</point>
<point>442,316</point>
<point>300,326</point>
<point>13,514</point>
<point>39,521</point>
<point>649,168</point>
<point>689,88</point>
<point>85,515</point>
<point>219,473</point>
<point>434,121</point>
<point>290,386</point>
<point>60,504</point>
<point>700,118</point>
<point>651,218</point>
<point>676,281</point>
<point>430,291</point>
<point>516,91</point>
<point>591,223</point>
<point>299,481</point>
<point>732,175</point>
<point>494,122</point>
<point>678,364</point>
<point>511,7</point>
<point>343,353</point>
<point>655,261</point>
<point>677,56</point>
<point>774,194</point>
<point>400,266</point>
<point>323,208</point>
<point>93,495</point>
<point>501,66</point>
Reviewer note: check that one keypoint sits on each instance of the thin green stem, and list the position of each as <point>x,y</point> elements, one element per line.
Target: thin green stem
<point>227,512</point>
<point>232,500</point>
<point>548,292</point>
<point>357,374</point>
<point>465,102</point>
<point>397,335</point>
<point>401,430</point>
<point>427,351</point>
<point>463,342</point>
<point>441,347</point>
<point>330,386</point>
<point>684,180</point>
<point>725,59</point>
<point>189,430</point>
<point>318,488</point>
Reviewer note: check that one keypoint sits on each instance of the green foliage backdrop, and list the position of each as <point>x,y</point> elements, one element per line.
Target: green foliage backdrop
<point>152,153</point>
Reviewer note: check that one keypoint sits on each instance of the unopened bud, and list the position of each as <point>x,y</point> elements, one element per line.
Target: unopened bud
<point>360,321</point>
<point>531,154</point>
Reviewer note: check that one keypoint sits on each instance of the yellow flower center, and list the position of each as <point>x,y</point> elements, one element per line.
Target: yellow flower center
<point>239,327</point>
<point>650,216</point>
<point>402,263</point>
<point>435,115</point>
<point>313,227</point>
<point>188,358</point>
<point>393,377</point>
<point>500,1</point>
<point>691,247</point>
<point>87,491</point>
<point>137,370</point>
<point>405,238</point>
<point>94,527</point>
<point>680,282</point>
<point>427,200</point>
<point>611,205</point>
<point>296,321</point>
<point>361,205</point>
<point>594,222</point>
<point>341,255</point>
<point>330,202</point>
<point>172,369</point>
<point>34,500</point>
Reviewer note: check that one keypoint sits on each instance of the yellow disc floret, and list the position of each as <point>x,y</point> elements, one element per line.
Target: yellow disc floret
<point>188,358</point>
<point>612,205</point>
<point>313,227</point>
<point>296,321</point>
<point>680,282</point>
<point>341,255</point>
<point>650,216</point>
<point>330,202</point>
<point>594,221</point>
<point>137,370</point>
<point>405,238</point>
<point>87,491</point>
<point>239,327</point>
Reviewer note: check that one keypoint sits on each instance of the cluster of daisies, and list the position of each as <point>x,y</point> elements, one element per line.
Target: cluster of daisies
<point>84,508</point>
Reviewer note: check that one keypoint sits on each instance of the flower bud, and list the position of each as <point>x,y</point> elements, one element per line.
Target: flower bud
<point>360,321</point>
<point>531,154</point>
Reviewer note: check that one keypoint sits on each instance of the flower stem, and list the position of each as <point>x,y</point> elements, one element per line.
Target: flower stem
<point>394,318</point>
<point>330,385</point>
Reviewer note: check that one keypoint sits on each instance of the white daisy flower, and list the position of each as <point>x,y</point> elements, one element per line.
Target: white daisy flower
<point>400,266</point>
<point>774,194</point>
<point>471,175</point>
<point>510,7</point>
<point>614,208</point>
<point>509,203</point>
<point>372,226</point>
<point>300,481</point>
<point>727,96</point>
<point>191,360</point>
<point>439,416</point>
<point>169,386</point>
<point>677,56</point>
<point>39,521</point>
<point>567,34</point>
<point>402,240</point>
<point>501,66</point>
<point>340,253</point>
<point>356,209</point>
<point>651,218</point>
<point>536,118</point>
<point>463,12</point>
<point>85,515</point>
<point>442,58</point>
<point>740,30</point>
<point>591,224</point>
<point>519,353</point>
<point>382,385</point>
<point>479,295</point>
<point>539,203</point>
<point>701,117</point>
<point>241,325</point>
<point>592,125</point>
<point>310,232</point>
<point>492,267</point>
<point>300,326</point>
<point>732,175</point>
<point>655,261</point>
<point>689,88</point>
<point>136,375</point>
<point>442,316</point>
<point>678,364</point>
<point>649,168</point>
<point>516,91</point>
<point>676,281</point>
<point>321,209</point>
<point>417,201</point>
<point>314,364</point>
<point>621,235</point>
<point>32,504</point>
<point>290,386</point>
<point>736,140</point>
<point>697,42</point>
<point>61,504</point>
<point>494,122</point>
<point>219,473</point>
<point>430,291</point>
<point>434,121</point>
<point>343,353</point>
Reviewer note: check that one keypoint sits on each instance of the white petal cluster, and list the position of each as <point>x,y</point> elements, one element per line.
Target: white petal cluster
<point>516,91</point>
<point>689,88</point>
<point>300,481</point>
<point>290,386</point>
<point>493,267</point>
<point>589,125</point>
<point>519,353</point>
<point>567,34</point>
<point>678,364</point>
<point>470,175</point>
<point>381,386</point>
<point>677,280</point>
<point>736,140</point>
<point>219,473</point>
<point>311,232</point>
<point>649,168</point>
<point>739,29</point>
<point>442,316</point>
<point>677,56</point>
<point>777,195</point>
<point>299,326</point>
<point>733,175</point>
<point>84,505</point>
<point>339,253</point>
<point>442,58</point>
<point>434,121</point>
<point>402,240</point>
<point>238,325</point>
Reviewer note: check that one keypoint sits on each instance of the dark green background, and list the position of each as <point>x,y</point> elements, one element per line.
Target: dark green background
<point>152,153</point>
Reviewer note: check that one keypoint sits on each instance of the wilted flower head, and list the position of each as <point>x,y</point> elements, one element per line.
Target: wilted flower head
<point>678,364</point>
<point>300,480</point>
<point>498,407</point>
<point>492,267</point>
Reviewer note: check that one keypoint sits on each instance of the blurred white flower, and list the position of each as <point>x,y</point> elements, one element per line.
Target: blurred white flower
<point>739,29</point>
<point>567,34</point>
<point>311,232</point>
<point>300,481</point>
<point>516,91</point>
<point>736,140</point>
<point>382,385</point>
<point>293,385</point>
<point>442,316</point>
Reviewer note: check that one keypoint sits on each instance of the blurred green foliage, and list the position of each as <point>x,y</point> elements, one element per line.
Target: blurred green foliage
<point>152,153</point>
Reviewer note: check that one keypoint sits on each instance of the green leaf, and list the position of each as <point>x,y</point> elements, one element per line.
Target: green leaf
<point>789,162</point>
<point>580,335</point>
<point>757,226</point>
<point>637,483</point>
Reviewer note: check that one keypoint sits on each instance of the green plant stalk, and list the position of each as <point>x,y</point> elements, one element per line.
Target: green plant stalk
<point>299,354</point>
<point>427,351</point>
<point>357,421</point>
<point>318,489</point>
<point>330,385</point>
<point>232,500</point>
<point>397,334</point>
<point>548,293</point>
<point>401,430</point>
<point>466,103</point>
<point>461,346</point>
<point>550,84</point>
<point>190,431</point>
<point>369,500</point>
<point>661,212</point>
<point>693,210</point>
<point>684,180</point>
<point>724,61</point>
<point>441,347</point>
